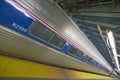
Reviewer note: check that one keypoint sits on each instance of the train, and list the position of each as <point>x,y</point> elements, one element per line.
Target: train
<point>39,30</point>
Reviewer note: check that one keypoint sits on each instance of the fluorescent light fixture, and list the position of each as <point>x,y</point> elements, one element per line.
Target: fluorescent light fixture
<point>113,46</point>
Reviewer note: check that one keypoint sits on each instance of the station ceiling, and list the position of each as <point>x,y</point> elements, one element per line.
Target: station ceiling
<point>93,17</point>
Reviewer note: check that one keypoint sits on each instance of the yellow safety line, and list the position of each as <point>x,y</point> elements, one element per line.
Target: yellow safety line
<point>12,67</point>
<point>71,74</point>
<point>17,68</point>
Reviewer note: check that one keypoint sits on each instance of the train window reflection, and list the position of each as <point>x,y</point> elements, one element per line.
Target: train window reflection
<point>88,59</point>
<point>40,31</point>
<point>57,41</point>
<point>72,50</point>
<point>79,53</point>
<point>96,63</point>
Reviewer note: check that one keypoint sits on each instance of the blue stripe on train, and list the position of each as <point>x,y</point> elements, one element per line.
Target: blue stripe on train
<point>16,20</point>
<point>13,18</point>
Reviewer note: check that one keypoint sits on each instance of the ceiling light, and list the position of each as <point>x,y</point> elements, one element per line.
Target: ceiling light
<point>113,47</point>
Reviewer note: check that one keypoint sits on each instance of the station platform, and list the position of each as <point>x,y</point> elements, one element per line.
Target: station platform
<point>17,69</point>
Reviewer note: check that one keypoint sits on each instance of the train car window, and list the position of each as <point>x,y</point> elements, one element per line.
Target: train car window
<point>73,50</point>
<point>39,30</point>
<point>88,59</point>
<point>91,59</point>
<point>57,41</point>
<point>96,63</point>
<point>79,53</point>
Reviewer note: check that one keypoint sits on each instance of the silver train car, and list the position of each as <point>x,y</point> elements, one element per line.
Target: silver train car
<point>39,30</point>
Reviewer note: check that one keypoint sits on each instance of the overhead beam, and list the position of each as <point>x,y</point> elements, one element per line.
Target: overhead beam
<point>115,15</point>
<point>108,25</point>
